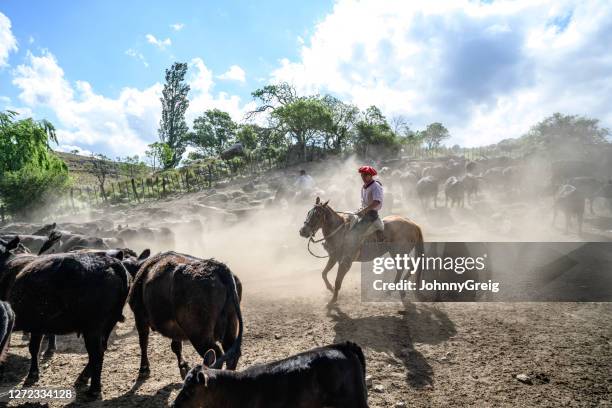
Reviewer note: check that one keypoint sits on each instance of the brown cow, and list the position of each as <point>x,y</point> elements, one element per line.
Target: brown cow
<point>187,298</point>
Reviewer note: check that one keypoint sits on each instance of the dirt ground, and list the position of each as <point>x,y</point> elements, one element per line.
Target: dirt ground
<point>417,354</point>
<point>421,354</point>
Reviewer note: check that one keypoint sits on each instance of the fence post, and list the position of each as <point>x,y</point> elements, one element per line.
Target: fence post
<point>164,185</point>
<point>72,199</point>
<point>2,216</point>
<point>134,190</point>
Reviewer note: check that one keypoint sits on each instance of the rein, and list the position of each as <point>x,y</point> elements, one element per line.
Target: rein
<point>316,241</point>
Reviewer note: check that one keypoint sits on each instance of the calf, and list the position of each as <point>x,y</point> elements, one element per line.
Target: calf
<point>81,293</point>
<point>187,298</point>
<point>330,376</point>
<point>7,319</point>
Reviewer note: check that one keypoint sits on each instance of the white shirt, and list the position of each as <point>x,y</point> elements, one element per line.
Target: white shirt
<point>373,192</point>
<point>304,183</point>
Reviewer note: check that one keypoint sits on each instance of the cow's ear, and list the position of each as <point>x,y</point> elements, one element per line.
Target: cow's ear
<point>318,200</point>
<point>325,203</point>
<point>210,358</point>
<point>145,254</point>
<point>119,255</point>
<point>202,378</point>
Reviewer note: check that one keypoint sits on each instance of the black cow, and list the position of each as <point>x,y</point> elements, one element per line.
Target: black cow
<point>427,189</point>
<point>330,376</point>
<point>80,293</point>
<point>454,190</point>
<point>7,320</point>
<point>187,298</point>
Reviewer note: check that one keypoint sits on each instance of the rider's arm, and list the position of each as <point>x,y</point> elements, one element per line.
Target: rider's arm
<point>373,205</point>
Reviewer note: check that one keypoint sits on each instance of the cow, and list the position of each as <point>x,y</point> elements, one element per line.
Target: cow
<point>471,186</point>
<point>188,298</point>
<point>329,376</point>
<point>454,190</point>
<point>587,186</point>
<point>571,202</point>
<point>7,320</point>
<point>81,293</point>
<point>427,189</point>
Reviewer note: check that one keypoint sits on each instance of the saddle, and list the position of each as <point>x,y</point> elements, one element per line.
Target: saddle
<point>374,233</point>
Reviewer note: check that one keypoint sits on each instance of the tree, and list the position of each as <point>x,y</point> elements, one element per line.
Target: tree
<point>343,119</point>
<point>212,132</point>
<point>567,136</point>
<point>434,134</point>
<point>101,167</point>
<point>248,135</point>
<point>159,155</point>
<point>302,120</point>
<point>173,129</point>
<point>31,175</point>
<point>132,166</point>
<point>271,97</point>
<point>373,130</point>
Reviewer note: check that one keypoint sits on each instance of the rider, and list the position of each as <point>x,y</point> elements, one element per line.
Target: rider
<point>371,204</point>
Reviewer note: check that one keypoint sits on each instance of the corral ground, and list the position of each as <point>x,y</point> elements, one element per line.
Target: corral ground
<point>418,354</point>
<point>422,354</point>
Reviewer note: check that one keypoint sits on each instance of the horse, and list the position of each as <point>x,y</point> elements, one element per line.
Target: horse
<point>401,235</point>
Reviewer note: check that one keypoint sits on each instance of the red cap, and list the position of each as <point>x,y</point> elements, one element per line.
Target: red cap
<point>368,170</point>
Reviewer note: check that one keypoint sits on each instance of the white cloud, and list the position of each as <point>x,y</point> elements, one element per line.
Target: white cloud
<point>203,98</point>
<point>138,55</point>
<point>117,126</point>
<point>486,70</point>
<point>234,73</point>
<point>113,126</point>
<point>159,43</point>
<point>177,26</point>
<point>8,42</point>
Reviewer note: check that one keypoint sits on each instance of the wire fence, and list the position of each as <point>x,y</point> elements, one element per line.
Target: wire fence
<point>198,177</point>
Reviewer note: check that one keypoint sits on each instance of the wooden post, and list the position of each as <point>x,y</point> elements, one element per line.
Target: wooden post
<point>72,199</point>
<point>134,190</point>
<point>164,185</point>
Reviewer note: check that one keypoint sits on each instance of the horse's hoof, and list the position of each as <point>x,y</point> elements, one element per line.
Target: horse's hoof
<point>93,394</point>
<point>144,372</point>
<point>31,379</point>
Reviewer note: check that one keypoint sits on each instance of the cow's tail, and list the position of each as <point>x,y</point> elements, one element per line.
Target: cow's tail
<point>125,277</point>
<point>356,350</point>
<point>6,328</point>
<point>234,352</point>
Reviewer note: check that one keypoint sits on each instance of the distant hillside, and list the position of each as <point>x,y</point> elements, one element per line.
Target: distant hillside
<point>80,169</point>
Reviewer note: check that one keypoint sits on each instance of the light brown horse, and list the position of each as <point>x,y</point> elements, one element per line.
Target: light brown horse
<point>401,236</point>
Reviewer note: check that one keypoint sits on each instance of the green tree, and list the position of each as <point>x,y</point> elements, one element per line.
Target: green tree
<point>31,175</point>
<point>343,119</point>
<point>101,167</point>
<point>434,135</point>
<point>566,136</point>
<point>213,132</point>
<point>271,97</point>
<point>373,131</point>
<point>173,129</point>
<point>160,155</point>
<point>303,120</point>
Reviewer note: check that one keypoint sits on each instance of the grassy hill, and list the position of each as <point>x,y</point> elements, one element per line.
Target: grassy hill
<point>80,168</point>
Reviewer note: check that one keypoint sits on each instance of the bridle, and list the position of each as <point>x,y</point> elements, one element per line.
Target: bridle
<point>311,239</point>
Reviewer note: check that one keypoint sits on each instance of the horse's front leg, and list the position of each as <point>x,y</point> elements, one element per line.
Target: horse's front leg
<point>330,264</point>
<point>343,268</point>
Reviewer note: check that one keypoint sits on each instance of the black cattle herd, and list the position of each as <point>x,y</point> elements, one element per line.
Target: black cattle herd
<point>54,282</point>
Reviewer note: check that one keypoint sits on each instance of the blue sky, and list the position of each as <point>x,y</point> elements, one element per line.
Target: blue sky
<point>487,70</point>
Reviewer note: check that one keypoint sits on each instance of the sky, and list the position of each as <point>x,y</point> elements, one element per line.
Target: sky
<point>487,70</point>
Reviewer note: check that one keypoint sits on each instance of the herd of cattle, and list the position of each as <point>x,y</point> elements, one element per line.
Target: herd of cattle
<point>57,280</point>
<point>571,184</point>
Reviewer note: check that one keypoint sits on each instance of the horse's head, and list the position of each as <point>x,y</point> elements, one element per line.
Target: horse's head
<point>314,219</point>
